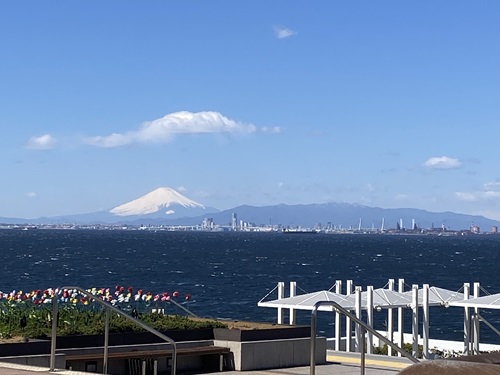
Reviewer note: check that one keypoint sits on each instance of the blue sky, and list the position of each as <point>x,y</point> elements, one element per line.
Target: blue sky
<point>383,103</point>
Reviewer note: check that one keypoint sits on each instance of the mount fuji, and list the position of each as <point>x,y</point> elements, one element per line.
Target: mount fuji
<point>157,206</point>
<point>160,202</point>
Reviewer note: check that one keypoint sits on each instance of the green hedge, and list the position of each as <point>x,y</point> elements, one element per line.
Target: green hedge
<point>77,321</point>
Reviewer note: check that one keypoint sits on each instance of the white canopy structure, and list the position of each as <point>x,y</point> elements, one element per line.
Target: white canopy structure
<point>379,299</point>
<point>437,296</point>
<point>382,299</point>
<point>486,302</point>
<point>306,301</point>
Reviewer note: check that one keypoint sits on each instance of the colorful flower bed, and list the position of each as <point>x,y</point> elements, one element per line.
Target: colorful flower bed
<point>120,295</point>
<point>29,314</point>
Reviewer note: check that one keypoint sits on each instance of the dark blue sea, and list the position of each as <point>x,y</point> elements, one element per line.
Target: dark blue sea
<point>227,273</point>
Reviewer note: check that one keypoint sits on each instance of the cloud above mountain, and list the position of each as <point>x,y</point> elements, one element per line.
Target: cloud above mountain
<point>442,162</point>
<point>43,142</point>
<point>489,191</point>
<point>164,129</point>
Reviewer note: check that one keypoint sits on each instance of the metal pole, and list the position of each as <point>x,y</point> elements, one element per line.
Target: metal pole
<point>293,291</point>
<point>401,289</point>
<point>338,328</point>
<point>357,332</point>
<point>339,308</point>
<point>363,351</point>
<point>281,295</point>
<point>425,322</point>
<point>491,326</point>
<point>369,319</point>
<point>348,326</point>
<point>476,320</point>
<point>126,316</point>
<point>466,320</point>
<point>414,323</point>
<point>312,358</point>
<point>106,343</point>
<point>390,320</point>
<point>54,332</point>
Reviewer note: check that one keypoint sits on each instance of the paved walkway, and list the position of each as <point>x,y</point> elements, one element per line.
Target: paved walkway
<point>329,369</point>
<point>338,364</point>
<point>15,369</point>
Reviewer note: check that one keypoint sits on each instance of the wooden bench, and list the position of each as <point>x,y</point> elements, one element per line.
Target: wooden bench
<point>153,354</point>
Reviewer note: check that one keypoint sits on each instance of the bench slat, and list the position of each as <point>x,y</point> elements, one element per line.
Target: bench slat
<point>150,353</point>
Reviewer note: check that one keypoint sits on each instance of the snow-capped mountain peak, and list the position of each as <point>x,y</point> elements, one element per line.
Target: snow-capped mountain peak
<point>163,198</point>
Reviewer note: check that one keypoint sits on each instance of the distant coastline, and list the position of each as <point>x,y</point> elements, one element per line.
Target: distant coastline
<point>471,232</point>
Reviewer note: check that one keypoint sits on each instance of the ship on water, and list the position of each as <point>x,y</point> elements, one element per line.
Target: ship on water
<point>300,231</point>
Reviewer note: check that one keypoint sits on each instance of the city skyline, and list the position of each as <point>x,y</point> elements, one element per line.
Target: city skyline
<point>387,105</point>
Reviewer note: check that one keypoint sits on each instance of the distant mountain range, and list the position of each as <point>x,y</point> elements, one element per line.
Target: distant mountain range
<point>167,206</point>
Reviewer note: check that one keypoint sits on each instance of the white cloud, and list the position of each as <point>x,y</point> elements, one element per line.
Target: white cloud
<point>31,194</point>
<point>466,196</point>
<point>401,197</point>
<point>181,189</point>
<point>43,142</point>
<point>477,195</point>
<point>493,186</point>
<point>271,130</point>
<point>282,32</point>
<point>164,129</point>
<point>491,194</point>
<point>443,162</point>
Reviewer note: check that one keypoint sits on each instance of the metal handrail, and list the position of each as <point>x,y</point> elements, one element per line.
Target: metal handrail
<point>490,326</point>
<point>364,327</point>
<point>108,308</point>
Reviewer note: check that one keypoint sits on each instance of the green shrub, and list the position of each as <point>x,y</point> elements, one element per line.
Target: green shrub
<point>406,346</point>
<point>73,320</point>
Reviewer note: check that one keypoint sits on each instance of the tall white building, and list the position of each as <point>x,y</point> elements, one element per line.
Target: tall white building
<point>234,221</point>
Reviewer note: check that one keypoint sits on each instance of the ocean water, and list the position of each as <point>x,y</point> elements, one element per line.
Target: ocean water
<point>227,273</point>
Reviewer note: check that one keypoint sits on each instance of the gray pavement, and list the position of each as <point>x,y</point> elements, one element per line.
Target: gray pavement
<point>16,369</point>
<point>337,365</point>
<point>328,369</point>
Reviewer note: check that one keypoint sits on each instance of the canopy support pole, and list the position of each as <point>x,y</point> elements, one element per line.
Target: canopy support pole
<point>338,335</point>
<point>281,295</point>
<point>414,322</point>
<point>357,331</point>
<point>476,320</point>
<point>401,289</point>
<point>369,321</point>
<point>293,292</point>
<point>466,320</point>
<point>425,322</point>
<point>348,325</point>
<point>390,326</point>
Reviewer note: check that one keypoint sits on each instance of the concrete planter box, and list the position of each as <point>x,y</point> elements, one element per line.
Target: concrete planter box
<point>241,335</point>
<point>36,347</point>
<point>279,347</point>
<point>133,338</point>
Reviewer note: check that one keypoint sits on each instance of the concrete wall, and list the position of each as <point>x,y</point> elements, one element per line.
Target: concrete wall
<point>255,355</point>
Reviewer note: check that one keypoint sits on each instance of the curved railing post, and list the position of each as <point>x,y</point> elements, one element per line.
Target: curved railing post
<point>107,307</point>
<point>356,320</point>
<point>106,343</point>
<point>54,333</point>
